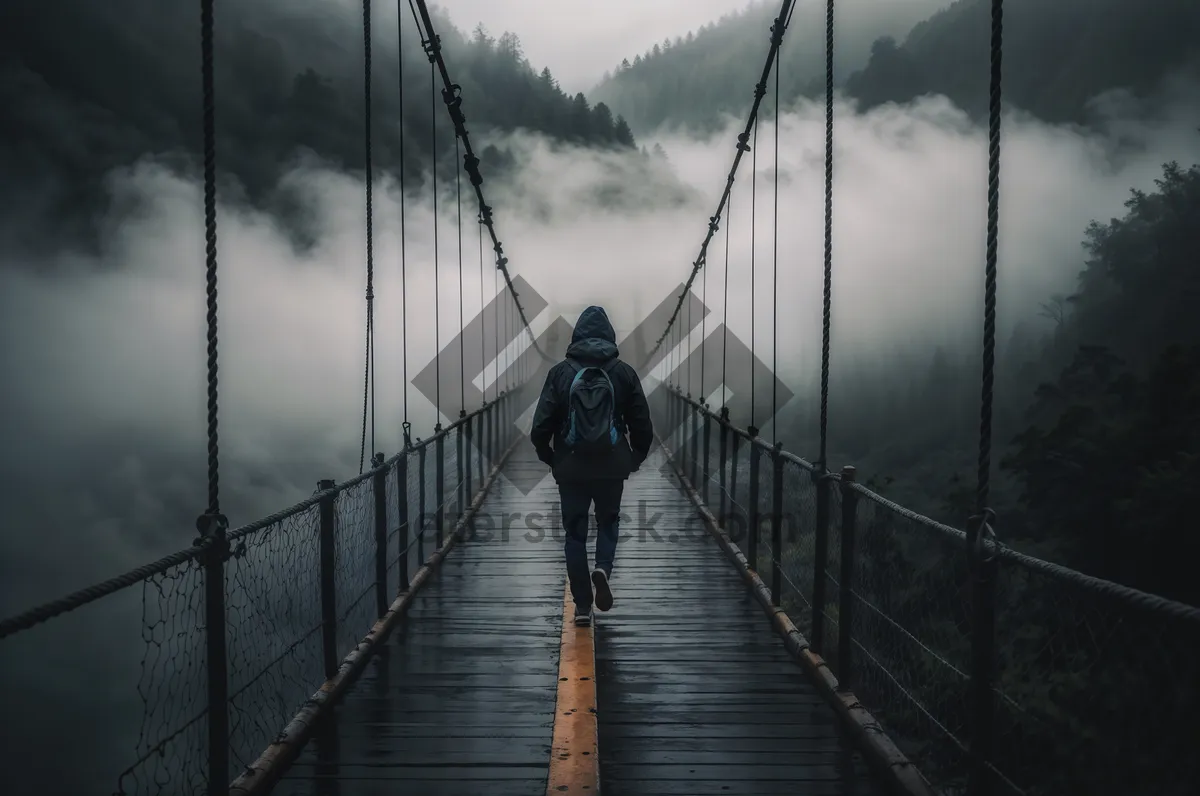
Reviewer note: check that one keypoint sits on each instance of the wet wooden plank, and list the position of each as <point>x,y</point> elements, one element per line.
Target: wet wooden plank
<point>461,700</point>
<point>696,694</point>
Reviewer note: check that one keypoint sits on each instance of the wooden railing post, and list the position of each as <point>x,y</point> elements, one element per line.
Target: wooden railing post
<point>213,527</point>
<point>328,543</point>
<point>722,462</point>
<point>983,565</point>
<point>468,491</point>
<point>753,519</point>
<point>820,557</point>
<point>422,507</point>
<point>460,505</point>
<point>705,470</point>
<point>776,523</point>
<point>693,439</point>
<point>402,513</point>
<point>845,672</point>
<point>439,474</point>
<point>379,491</point>
<point>733,473</point>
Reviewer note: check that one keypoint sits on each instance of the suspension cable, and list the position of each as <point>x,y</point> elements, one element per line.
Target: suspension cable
<point>823,460</point>
<point>462,330</point>
<point>483,309</point>
<point>210,236</point>
<point>687,346</point>
<point>752,429</point>
<point>703,328</point>
<point>369,367</point>
<point>993,224</point>
<point>451,94</point>
<point>775,280</point>
<point>437,299</point>
<point>725,309</point>
<point>777,30</point>
<point>406,426</point>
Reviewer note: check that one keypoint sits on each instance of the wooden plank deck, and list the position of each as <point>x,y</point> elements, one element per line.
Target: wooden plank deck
<point>461,700</point>
<point>695,693</point>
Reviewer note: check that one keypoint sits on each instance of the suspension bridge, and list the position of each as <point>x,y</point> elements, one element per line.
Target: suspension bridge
<point>778,627</point>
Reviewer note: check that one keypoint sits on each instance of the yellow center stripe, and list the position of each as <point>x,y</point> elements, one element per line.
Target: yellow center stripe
<point>574,753</point>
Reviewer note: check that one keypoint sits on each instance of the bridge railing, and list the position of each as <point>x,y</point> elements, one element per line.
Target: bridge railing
<point>1097,685</point>
<point>288,598</point>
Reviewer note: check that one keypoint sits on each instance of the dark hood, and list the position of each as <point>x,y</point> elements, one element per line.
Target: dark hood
<point>594,339</point>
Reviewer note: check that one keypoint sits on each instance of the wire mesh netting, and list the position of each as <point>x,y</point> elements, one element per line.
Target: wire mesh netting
<point>273,620</point>
<point>354,563</point>
<point>172,744</point>
<point>278,648</point>
<point>1095,692</point>
<point>911,633</point>
<point>1078,659</point>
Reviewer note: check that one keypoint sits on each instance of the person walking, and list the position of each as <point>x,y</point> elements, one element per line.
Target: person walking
<point>592,427</point>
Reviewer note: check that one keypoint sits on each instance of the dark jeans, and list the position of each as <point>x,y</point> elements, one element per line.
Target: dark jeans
<point>577,497</point>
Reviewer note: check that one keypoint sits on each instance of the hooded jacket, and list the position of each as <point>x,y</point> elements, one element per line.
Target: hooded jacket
<point>594,342</point>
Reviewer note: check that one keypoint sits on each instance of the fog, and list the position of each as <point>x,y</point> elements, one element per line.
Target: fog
<point>103,410</point>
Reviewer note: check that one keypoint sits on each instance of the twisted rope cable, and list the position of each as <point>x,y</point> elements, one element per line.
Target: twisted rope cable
<point>405,425</point>
<point>437,299</point>
<point>753,247</point>
<point>775,278</point>
<point>993,223</point>
<point>725,307</point>
<point>483,358</point>
<point>453,100</point>
<point>210,236</point>
<point>368,382</point>
<point>78,599</point>
<point>777,29</point>
<point>825,317</point>
<point>462,336</point>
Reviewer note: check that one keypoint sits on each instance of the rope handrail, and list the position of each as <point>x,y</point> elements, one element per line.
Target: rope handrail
<point>1063,574</point>
<point>89,594</point>
<point>453,99</point>
<point>760,89</point>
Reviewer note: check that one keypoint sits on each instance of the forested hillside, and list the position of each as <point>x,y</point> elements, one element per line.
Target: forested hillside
<point>690,80</point>
<point>86,87</point>
<point>1058,56</point>
<point>1097,422</point>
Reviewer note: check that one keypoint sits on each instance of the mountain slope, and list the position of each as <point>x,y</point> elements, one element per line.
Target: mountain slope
<point>88,87</point>
<point>691,80</point>
<point>1057,55</point>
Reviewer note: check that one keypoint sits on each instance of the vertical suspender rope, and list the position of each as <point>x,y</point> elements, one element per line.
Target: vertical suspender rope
<point>212,524</point>
<point>369,370</point>
<point>981,536</point>
<point>775,279</point>
<point>210,249</point>
<point>437,300</point>
<point>483,357</point>
<point>822,461</point>
<point>725,306</point>
<point>406,426</point>
<point>993,224</point>
<point>462,330</point>
<point>687,346</point>
<point>753,233</point>
<point>703,327</point>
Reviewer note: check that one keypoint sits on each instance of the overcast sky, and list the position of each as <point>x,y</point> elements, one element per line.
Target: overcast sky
<point>552,32</point>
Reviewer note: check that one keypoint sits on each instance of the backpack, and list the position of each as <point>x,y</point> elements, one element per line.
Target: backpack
<point>591,426</point>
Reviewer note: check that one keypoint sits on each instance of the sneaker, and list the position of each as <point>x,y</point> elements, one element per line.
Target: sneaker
<point>604,598</point>
<point>583,620</point>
